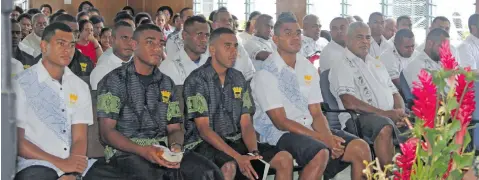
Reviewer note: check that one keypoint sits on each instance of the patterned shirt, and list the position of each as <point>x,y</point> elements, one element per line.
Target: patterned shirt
<point>142,112</point>
<point>222,104</point>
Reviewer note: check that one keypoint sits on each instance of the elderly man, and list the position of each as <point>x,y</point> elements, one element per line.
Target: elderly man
<point>335,50</point>
<point>403,22</point>
<point>311,41</point>
<point>260,46</point>
<point>389,28</point>
<point>362,83</point>
<point>397,58</point>
<point>33,39</point>
<point>175,43</point>
<point>379,43</point>
<point>428,58</point>
<point>469,49</point>
<point>442,23</point>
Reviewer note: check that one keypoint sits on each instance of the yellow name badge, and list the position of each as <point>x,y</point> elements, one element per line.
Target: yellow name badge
<point>308,79</point>
<point>165,96</point>
<point>83,66</point>
<point>26,66</point>
<point>73,98</point>
<point>237,92</point>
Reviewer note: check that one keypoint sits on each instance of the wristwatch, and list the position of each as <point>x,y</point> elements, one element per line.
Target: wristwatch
<point>177,145</point>
<point>255,152</point>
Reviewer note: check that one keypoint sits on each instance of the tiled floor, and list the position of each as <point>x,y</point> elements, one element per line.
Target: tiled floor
<point>344,175</point>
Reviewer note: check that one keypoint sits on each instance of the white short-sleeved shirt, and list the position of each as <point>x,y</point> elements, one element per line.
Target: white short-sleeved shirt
<point>33,42</point>
<point>421,61</point>
<point>174,44</point>
<point>106,63</point>
<point>256,45</point>
<point>469,52</point>
<point>376,50</point>
<point>453,49</point>
<point>179,68</point>
<point>366,80</point>
<point>394,62</point>
<point>331,53</point>
<point>309,46</point>
<point>46,110</point>
<point>16,67</point>
<point>294,90</point>
<point>244,36</point>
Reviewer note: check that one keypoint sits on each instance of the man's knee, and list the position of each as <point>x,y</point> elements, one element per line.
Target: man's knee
<point>229,169</point>
<point>37,172</point>
<point>359,148</point>
<point>322,157</point>
<point>386,131</point>
<point>283,161</point>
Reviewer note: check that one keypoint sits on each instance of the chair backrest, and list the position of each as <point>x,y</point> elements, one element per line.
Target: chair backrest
<point>329,98</point>
<point>94,146</point>
<point>406,91</point>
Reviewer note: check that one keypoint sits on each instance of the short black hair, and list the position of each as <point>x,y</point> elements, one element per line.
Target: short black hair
<point>83,3</point>
<point>33,11</point>
<point>24,15</point>
<point>220,10</point>
<point>145,27</point>
<point>82,23</point>
<point>183,11</point>
<point>53,17</point>
<point>126,8</point>
<point>326,35</point>
<point>146,21</point>
<point>61,11</point>
<point>285,17</point>
<point>49,31</point>
<point>190,21</point>
<point>14,21</point>
<point>94,10</point>
<point>46,6</point>
<point>96,19</point>
<point>18,9</point>
<point>168,8</point>
<point>218,32</point>
<point>435,35</point>
<point>403,17</point>
<point>118,25</point>
<point>212,15</point>
<point>121,16</point>
<point>440,18</point>
<point>401,34</point>
<point>251,16</point>
<point>473,21</point>
<point>374,14</point>
<point>141,15</point>
<point>80,14</point>
<point>103,30</point>
<point>175,17</point>
<point>65,18</point>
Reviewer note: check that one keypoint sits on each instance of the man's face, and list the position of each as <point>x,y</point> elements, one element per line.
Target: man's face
<point>289,38</point>
<point>123,43</point>
<point>312,29</point>
<point>389,29</point>
<point>225,50</point>
<point>86,7</point>
<point>74,27</point>
<point>377,25</point>
<point>161,21</point>
<point>46,11</point>
<point>441,24</point>
<point>224,20</point>
<point>186,15</point>
<point>59,51</point>
<point>167,15</point>
<point>265,29</point>
<point>149,47</point>
<point>196,37</point>
<point>14,15</point>
<point>26,25</point>
<point>40,25</point>
<point>405,24</point>
<point>434,48</point>
<point>405,47</point>
<point>16,34</point>
<point>97,29</point>
<point>339,28</point>
<point>359,42</point>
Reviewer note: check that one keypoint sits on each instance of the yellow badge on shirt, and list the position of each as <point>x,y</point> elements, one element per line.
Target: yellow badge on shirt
<point>237,92</point>
<point>308,79</point>
<point>165,96</point>
<point>83,66</point>
<point>26,66</point>
<point>377,57</point>
<point>73,98</point>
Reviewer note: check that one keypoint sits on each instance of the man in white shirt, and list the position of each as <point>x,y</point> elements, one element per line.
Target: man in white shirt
<point>288,114</point>
<point>335,50</point>
<point>175,43</point>
<point>389,28</point>
<point>32,41</point>
<point>53,111</point>
<point>469,48</point>
<point>195,35</point>
<point>397,58</point>
<point>379,43</point>
<point>361,83</point>
<point>260,46</point>
<point>122,50</point>
<point>428,58</point>
<point>403,22</point>
<point>443,23</point>
<point>311,41</point>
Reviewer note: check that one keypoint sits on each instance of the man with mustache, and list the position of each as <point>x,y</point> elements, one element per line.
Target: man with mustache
<point>311,42</point>
<point>260,46</point>
<point>33,39</point>
<point>122,50</point>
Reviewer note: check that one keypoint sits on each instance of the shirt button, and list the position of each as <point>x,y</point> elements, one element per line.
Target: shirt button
<point>64,131</point>
<point>63,110</point>
<point>65,149</point>
<point>61,89</point>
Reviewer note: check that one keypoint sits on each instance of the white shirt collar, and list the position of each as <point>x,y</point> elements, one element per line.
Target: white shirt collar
<point>44,75</point>
<point>473,39</point>
<point>308,39</point>
<point>279,61</point>
<point>37,37</point>
<point>383,41</point>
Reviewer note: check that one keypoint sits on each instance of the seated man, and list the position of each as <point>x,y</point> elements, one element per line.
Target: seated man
<point>362,83</point>
<point>396,59</point>
<point>379,43</point>
<point>335,49</point>
<point>287,96</point>
<point>219,114</point>
<point>53,111</point>
<point>138,109</point>
<point>312,42</point>
<point>403,22</point>
<point>175,42</point>
<point>428,58</point>
<point>16,66</point>
<point>260,46</point>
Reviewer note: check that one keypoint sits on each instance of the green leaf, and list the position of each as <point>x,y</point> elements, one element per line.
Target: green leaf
<point>467,140</point>
<point>455,174</point>
<point>453,128</point>
<point>451,104</point>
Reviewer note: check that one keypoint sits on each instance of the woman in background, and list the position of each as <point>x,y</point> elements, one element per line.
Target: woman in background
<point>105,38</point>
<point>87,44</point>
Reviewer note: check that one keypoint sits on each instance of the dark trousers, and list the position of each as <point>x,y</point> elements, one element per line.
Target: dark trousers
<point>37,173</point>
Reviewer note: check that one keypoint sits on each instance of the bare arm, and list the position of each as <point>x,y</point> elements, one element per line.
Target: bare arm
<point>353,103</point>
<point>262,55</point>
<point>175,134</point>
<point>111,136</point>
<point>396,83</point>
<point>280,121</point>
<point>98,49</point>
<point>320,124</point>
<point>28,150</point>
<point>212,138</point>
<point>398,101</point>
<point>248,133</point>
<point>79,139</point>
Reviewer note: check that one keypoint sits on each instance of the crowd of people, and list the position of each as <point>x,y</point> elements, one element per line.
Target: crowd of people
<point>222,97</point>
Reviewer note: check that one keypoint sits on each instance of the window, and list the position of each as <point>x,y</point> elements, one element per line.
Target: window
<point>326,10</point>
<point>265,7</point>
<point>363,8</point>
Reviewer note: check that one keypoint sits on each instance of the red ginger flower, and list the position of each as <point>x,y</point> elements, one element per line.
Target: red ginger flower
<point>313,58</point>
<point>406,159</point>
<point>426,98</point>
<point>447,60</point>
<point>467,106</point>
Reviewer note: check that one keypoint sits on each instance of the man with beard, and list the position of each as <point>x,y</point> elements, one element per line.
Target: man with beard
<point>33,39</point>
